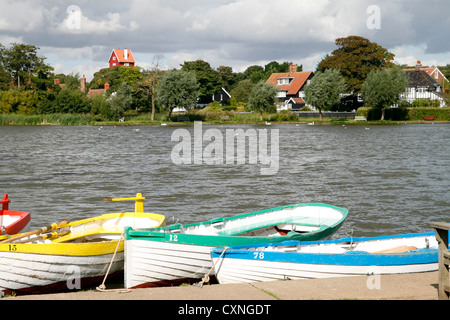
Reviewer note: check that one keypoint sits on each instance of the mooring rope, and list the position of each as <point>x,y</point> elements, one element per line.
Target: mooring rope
<point>205,279</point>
<point>102,287</point>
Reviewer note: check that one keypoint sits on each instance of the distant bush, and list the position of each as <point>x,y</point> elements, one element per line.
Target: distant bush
<point>441,114</point>
<point>425,103</point>
<point>399,114</point>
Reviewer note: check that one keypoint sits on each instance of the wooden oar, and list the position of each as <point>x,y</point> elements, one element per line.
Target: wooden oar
<point>38,231</point>
<point>47,236</point>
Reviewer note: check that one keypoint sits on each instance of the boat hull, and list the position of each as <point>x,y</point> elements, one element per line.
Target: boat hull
<point>279,262</point>
<point>72,261</point>
<point>49,268</point>
<point>170,257</point>
<point>13,222</point>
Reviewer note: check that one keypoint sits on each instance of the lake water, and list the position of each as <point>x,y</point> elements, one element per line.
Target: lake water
<point>392,178</point>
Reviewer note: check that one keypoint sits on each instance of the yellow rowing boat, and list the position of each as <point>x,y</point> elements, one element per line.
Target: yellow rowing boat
<point>70,255</point>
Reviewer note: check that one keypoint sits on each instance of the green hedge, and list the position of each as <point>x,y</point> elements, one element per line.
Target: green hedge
<point>400,114</point>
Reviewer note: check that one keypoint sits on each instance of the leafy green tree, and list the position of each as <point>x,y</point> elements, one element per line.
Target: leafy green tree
<point>178,88</point>
<point>355,58</point>
<point>255,74</point>
<point>115,76</point>
<point>71,101</point>
<point>120,101</point>
<point>5,77</point>
<point>325,89</point>
<point>208,79</point>
<point>146,89</point>
<point>242,90</point>
<point>23,62</point>
<point>262,98</point>
<point>227,76</point>
<point>383,88</point>
<point>100,106</point>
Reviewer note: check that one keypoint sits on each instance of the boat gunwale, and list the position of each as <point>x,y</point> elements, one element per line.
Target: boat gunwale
<point>168,230</point>
<point>16,226</point>
<point>362,258</point>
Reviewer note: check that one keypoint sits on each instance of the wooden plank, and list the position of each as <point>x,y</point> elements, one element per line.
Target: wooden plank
<point>441,230</point>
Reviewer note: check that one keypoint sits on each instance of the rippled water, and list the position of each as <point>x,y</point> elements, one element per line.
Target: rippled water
<point>393,179</point>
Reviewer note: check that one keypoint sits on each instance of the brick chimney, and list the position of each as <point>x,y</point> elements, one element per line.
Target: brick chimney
<point>418,65</point>
<point>106,86</point>
<point>292,69</point>
<point>83,84</point>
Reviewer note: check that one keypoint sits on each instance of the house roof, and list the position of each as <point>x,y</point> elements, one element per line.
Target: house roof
<point>120,55</point>
<point>420,78</point>
<point>298,80</point>
<point>297,100</point>
<point>430,71</point>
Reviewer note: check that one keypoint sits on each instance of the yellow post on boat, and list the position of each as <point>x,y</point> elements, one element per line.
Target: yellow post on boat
<point>138,202</point>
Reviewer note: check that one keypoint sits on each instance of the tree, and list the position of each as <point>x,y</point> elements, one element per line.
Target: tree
<point>22,62</point>
<point>178,88</point>
<point>262,97</point>
<point>147,87</point>
<point>383,88</point>
<point>255,74</point>
<point>227,76</point>
<point>120,101</point>
<point>115,76</point>
<point>355,58</point>
<point>208,79</point>
<point>325,89</point>
<point>242,91</point>
<point>71,101</point>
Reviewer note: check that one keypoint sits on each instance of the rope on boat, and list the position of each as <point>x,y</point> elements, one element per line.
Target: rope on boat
<point>205,279</point>
<point>102,287</point>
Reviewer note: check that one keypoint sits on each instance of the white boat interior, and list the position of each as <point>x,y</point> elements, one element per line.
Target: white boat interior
<point>301,219</point>
<point>387,245</point>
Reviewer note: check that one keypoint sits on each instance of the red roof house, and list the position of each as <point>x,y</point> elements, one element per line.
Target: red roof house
<point>291,87</point>
<point>121,57</point>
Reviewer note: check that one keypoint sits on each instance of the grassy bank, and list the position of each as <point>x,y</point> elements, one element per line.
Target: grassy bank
<point>206,117</point>
<point>47,119</point>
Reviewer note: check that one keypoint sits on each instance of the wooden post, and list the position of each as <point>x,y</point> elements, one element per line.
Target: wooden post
<point>441,229</point>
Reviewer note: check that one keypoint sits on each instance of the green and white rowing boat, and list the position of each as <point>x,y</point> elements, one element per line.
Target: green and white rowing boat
<point>181,253</point>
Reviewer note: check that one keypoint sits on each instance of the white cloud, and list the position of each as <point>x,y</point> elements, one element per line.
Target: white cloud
<point>237,33</point>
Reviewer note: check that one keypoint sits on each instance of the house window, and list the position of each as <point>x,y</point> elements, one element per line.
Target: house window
<point>126,64</point>
<point>114,64</point>
<point>283,81</point>
<point>114,58</point>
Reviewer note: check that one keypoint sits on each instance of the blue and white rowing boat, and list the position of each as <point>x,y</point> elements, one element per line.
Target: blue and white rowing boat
<point>325,259</point>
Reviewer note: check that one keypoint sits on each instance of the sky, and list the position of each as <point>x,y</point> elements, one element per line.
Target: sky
<point>79,36</point>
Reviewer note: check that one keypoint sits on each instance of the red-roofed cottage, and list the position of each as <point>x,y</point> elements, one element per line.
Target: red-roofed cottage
<point>291,86</point>
<point>121,57</point>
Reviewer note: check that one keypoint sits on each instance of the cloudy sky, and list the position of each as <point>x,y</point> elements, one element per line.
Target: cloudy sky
<point>77,36</point>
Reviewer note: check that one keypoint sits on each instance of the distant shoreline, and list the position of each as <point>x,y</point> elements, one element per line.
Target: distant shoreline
<point>80,120</point>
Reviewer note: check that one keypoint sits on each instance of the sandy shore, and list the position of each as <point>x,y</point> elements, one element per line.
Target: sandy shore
<point>419,286</point>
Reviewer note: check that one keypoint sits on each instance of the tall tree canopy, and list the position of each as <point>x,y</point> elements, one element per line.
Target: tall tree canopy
<point>22,62</point>
<point>208,79</point>
<point>177,88</point>
<point>262,98</point>
<point>325,90</point>
<point>383,88</point>
<point>355,58</point>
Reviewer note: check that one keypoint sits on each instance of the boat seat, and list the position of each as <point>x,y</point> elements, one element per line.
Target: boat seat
<point>399,249</point>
